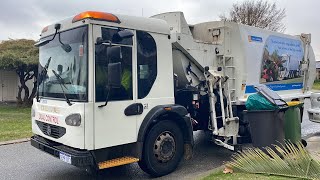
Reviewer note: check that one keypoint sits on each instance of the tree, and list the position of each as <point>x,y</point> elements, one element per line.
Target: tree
<point>21,56</point>
<point>262,14</point>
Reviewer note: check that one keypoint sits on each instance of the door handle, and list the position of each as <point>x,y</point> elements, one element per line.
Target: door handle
<point>134,109</point>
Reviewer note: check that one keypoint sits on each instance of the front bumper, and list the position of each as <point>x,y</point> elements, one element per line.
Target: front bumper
<point>314,115</point>
<point>79,158</point>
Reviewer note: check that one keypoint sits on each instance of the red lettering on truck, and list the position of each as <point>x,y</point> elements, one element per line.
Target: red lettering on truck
<point>48,118</point>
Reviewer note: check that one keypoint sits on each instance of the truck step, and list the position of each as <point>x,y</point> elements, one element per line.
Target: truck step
<point>117,162</point>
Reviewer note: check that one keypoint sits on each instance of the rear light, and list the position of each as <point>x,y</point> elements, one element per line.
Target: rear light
<point>97,16</point>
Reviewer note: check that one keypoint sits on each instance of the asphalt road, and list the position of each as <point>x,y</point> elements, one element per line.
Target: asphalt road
<point>21,161</point>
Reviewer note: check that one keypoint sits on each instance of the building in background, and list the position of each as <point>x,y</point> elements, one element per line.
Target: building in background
<point>9,82</point>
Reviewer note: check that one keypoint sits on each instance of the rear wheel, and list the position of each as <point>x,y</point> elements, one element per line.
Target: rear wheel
<point>163,149</point>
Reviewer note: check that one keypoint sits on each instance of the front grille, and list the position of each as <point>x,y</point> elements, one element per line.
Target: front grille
<point>51,130</point>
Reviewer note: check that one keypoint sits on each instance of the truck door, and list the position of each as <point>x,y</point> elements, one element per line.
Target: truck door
<point>112,126</point>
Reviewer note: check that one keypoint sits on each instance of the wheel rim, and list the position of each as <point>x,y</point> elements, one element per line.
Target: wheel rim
<point>164,147</point>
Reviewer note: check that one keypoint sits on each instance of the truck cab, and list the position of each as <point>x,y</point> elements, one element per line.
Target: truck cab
<point>105,91</point>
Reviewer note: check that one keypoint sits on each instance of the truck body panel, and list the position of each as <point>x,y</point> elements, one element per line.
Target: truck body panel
<point>245,49</point>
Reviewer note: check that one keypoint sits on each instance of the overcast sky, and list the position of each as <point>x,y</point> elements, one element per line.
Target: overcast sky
<point>26,18</point>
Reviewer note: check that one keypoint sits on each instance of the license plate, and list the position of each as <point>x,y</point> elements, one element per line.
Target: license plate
<point>65,157</point>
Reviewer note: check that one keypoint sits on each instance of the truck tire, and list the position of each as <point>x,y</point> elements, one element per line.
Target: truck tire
<point>162,150</point>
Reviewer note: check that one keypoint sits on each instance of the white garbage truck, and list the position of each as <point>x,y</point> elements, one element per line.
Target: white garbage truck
<point>116,89</point>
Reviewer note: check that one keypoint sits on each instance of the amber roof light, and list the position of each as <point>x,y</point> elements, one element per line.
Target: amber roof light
<point>96,16</point>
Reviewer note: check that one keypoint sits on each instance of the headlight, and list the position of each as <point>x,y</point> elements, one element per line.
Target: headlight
<point>73,120</point>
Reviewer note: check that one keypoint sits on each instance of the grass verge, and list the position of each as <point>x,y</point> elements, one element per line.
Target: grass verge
<point>316,85</point>
<point>15,123</point>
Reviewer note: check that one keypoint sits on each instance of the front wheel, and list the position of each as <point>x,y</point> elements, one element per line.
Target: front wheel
<point>163,149</point>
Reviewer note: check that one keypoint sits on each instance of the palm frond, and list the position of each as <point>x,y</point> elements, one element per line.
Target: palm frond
<point>290,160</point>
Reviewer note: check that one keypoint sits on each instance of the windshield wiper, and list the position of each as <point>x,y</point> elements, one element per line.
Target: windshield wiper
<point>62,83</point>
<point>42,74</point>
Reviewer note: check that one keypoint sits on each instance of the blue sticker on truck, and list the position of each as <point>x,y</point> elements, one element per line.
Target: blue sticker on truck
<point>276,87</point>
<point>254,39</point>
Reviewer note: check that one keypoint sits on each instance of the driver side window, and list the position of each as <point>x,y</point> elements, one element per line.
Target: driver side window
<point>101,65</point>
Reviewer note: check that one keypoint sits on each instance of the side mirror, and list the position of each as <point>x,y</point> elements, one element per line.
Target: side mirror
<point>114,54</point>
<point>114,75</point>
<point>119,36</point>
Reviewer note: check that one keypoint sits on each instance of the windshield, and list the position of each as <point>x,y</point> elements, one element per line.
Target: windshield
<point>70,64</point>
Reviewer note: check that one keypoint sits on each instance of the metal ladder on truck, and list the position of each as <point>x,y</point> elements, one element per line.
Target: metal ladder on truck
<point>217,80</point>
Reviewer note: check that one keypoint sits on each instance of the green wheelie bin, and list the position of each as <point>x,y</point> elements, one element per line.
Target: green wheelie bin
<point>292,123</point>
